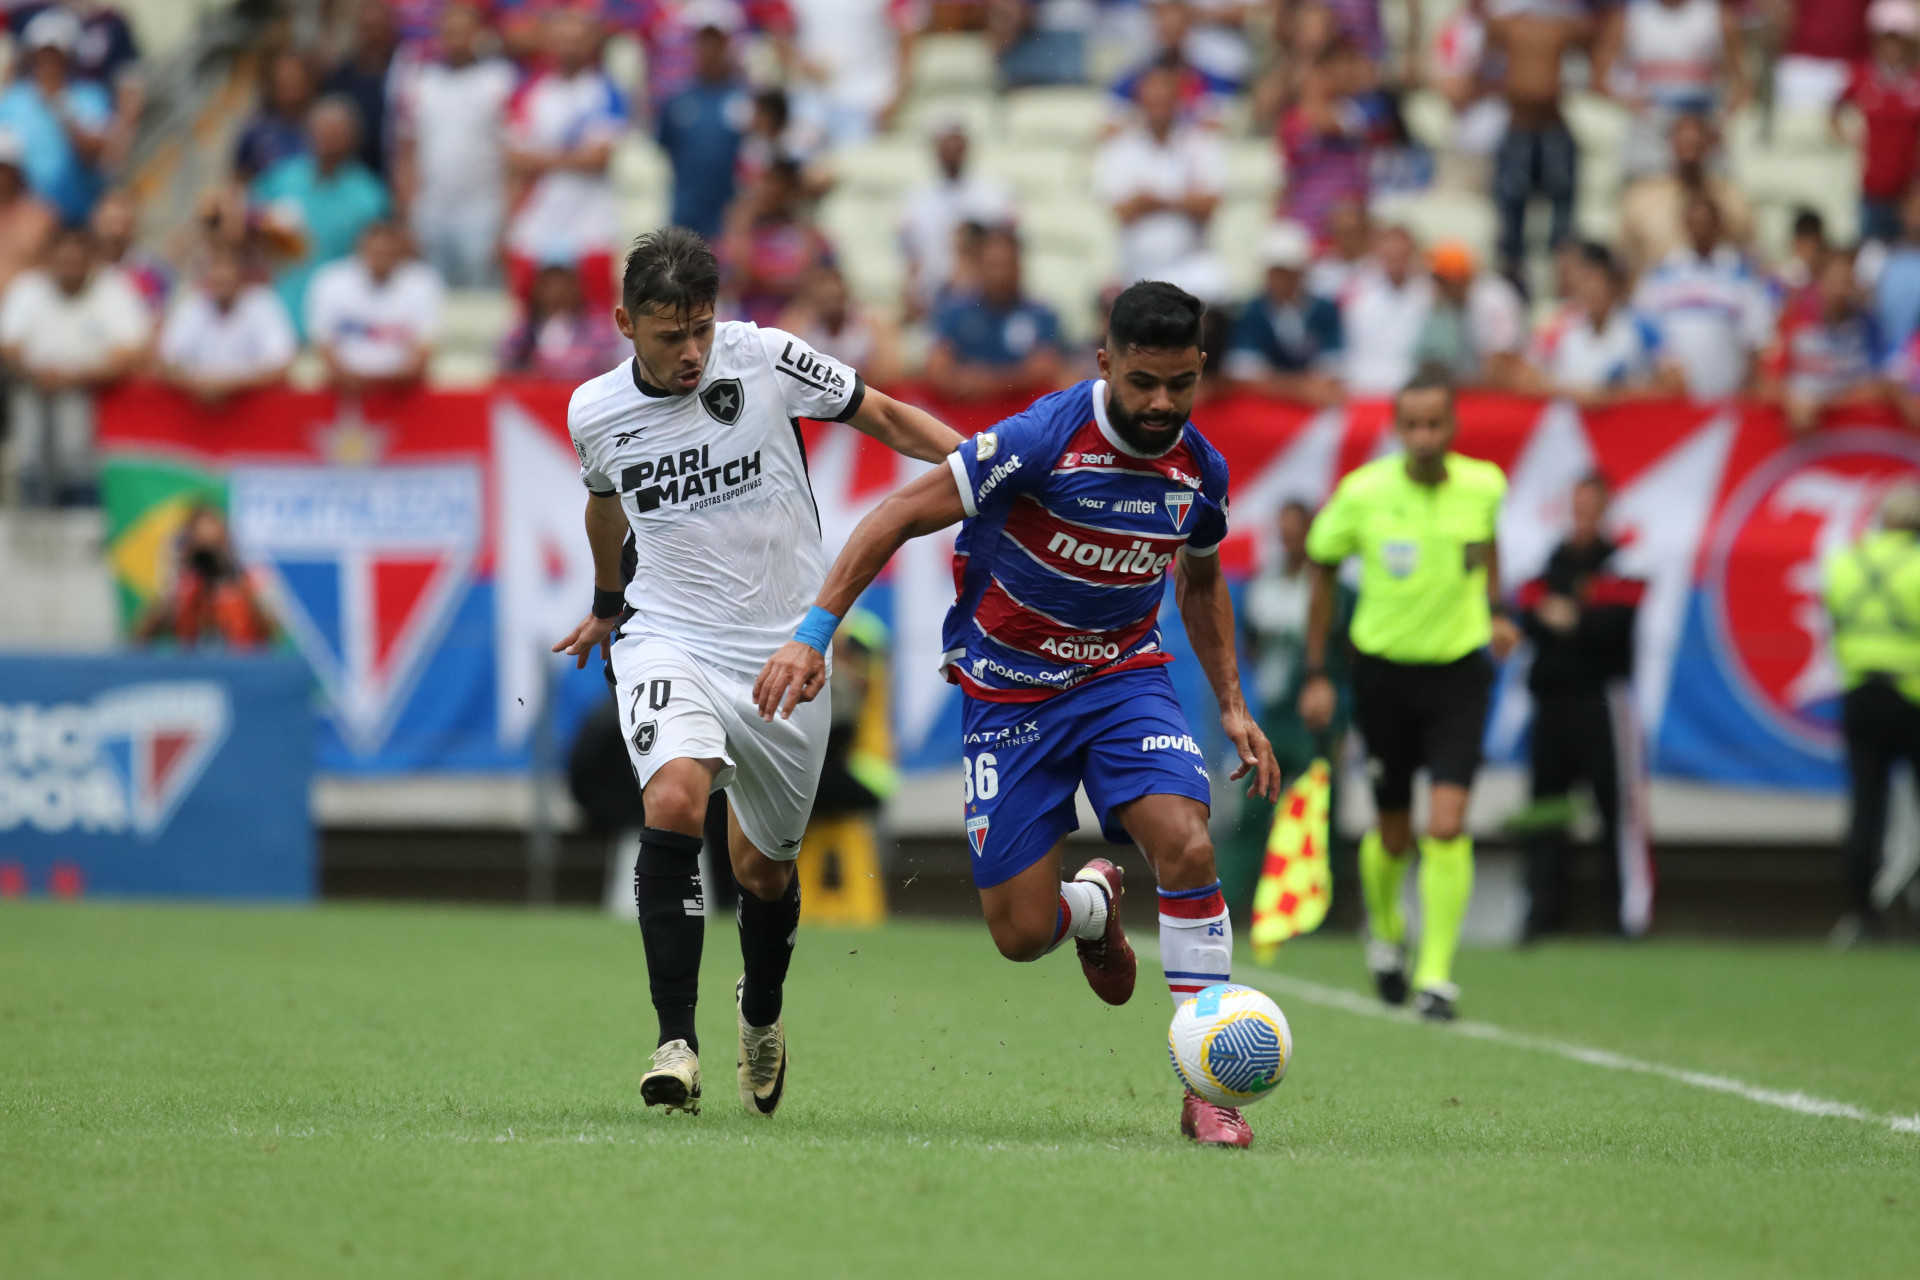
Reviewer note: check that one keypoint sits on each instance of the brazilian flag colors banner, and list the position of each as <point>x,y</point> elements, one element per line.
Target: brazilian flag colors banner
<point>421,551</point>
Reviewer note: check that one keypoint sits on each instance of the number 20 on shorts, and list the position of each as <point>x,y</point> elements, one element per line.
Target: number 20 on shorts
<point>982,778</point>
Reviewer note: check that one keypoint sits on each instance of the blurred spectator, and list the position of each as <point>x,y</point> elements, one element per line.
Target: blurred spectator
<point>1398,163</point>
<point>1476,328</point>
<point>225,335</point>
<point>1348,248</point>
<point>1039,42</point>
<point>933,214</point>
<point>365,78</point>
<point>825,317</point>
<point>561,132</point>
<point>1668,59</point>
<point>1381,316</point>
<point>1467,78</point>
<point>1286,342</point>
<point>998,342</point>
<point>1824,39</point>
<point>323,198</point>
<point>853,58</point>
<point>773,134</point>
<point>1886,92</point>
<point>374,316</point>
<point>278,130</point>
<point>771,244</point>
<point>668,27</point>
<point>1711,310</point>
<point>559,338</point>
<point>1652,210</point>
<point>1203,93</point>
<point>1790,288</point>
<point>1538,154</point>
<point>1163,180</point>
<point>108,54</point>
<point>1830,359</point>
<point>25,219</point>
<point>1603,351</point>
<point>700,129</point>
<point>1896,279</point>
<point>449,162</point>
<point>62,122</point>
<point>65,332</point>
<point>210,601</point>
<point>116,227</point>
<point>1361,23</point>
<point>1326,136</point>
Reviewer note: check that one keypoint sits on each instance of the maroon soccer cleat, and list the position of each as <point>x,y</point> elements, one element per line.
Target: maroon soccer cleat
<point>1212,1126</point>
<point>1108,963</point>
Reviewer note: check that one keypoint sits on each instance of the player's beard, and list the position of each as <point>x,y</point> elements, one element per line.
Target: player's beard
<point>1149,433</point>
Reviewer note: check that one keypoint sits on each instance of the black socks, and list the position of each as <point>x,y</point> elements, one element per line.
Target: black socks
<point>666,888</point>
<point>766,946</point>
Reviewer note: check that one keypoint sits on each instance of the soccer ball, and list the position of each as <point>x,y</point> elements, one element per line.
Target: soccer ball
<point>1230,1044</point>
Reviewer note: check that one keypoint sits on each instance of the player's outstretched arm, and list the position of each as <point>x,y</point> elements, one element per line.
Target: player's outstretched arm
<point>903,428</point>
<point>606,534</point>
<point>798,669</point>
<point>1207,611</point>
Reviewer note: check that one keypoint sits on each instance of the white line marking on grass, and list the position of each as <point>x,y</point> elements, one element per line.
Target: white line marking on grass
<point>1367,1007</point>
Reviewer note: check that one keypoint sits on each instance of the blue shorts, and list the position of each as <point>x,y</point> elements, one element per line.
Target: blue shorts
<point>1122,735</point>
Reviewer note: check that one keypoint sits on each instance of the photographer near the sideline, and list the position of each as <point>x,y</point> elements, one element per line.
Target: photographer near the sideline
<point>209,602</point>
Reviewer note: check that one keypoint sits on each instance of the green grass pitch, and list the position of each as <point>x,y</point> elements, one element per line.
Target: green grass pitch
<point>451,1092</point>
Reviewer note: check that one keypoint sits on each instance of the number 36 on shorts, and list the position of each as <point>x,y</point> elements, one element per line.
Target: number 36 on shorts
<point>982,776</point>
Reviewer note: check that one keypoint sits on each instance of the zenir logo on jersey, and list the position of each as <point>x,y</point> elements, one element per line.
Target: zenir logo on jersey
<point>1179,502</point>
<point>723,399</point>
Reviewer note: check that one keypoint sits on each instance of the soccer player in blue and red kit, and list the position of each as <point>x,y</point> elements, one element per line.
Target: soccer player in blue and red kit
<point>1075,512</point>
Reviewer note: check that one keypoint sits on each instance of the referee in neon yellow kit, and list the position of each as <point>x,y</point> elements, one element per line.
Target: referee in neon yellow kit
<point>1422,523</point>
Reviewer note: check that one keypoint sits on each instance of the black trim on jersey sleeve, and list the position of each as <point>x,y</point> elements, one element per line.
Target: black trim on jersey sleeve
<point>610,493</point>
<point>854,400</point>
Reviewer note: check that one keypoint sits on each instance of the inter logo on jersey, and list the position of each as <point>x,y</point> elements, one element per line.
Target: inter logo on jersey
<point>1179,502</point>
<point>723,398</point>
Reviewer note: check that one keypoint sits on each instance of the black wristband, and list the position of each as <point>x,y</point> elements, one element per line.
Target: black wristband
<point>608,604</point>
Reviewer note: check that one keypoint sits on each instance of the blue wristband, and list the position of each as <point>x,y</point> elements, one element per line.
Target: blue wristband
<point>816,630</point>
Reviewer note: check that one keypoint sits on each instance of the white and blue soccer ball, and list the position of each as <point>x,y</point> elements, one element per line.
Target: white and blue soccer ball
<point>1230,1044</point>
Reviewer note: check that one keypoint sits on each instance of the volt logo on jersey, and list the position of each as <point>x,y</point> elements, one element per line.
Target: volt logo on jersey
<point>723,399</point>
<point>1179,502</point>
<point>977,835</point>
<point>366,567</point>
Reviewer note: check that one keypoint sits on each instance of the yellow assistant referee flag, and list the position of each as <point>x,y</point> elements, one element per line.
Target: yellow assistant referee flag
<point>1296,882</point>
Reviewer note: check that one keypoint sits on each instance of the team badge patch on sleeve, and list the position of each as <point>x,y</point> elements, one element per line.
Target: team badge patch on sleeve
<point>723,399</point>
<point>644,735</point>
<point>977,835</point>
<point>1179,502</point>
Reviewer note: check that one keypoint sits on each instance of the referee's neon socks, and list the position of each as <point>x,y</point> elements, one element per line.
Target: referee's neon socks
<point>1446,883</point>
<point>1381,875</point>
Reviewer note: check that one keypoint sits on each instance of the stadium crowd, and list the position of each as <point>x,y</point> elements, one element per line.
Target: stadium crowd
<point>468,144</point>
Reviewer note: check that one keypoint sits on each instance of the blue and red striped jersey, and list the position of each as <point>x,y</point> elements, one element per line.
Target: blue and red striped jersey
<point>1061,563</point>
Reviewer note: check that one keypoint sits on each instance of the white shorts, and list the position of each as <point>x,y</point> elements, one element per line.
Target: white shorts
<point>674,706</point>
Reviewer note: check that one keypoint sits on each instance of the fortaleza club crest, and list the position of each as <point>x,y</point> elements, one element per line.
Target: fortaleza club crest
<point>122,762</point>
<point>1179,502</point>
<point>977,835</point>
<point>365,567</point>
<point>724,399</point>
<point>1764,574</point>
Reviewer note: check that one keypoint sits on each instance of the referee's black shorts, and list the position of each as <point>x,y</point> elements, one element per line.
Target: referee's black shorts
<point>1420,715</point>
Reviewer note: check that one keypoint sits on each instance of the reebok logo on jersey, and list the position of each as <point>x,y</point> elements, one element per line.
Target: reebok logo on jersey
<point>1170,742</point>
<point>1179,502</point>
<point>1138,558</point>
<point>687,474</point>
<point>995,476</point>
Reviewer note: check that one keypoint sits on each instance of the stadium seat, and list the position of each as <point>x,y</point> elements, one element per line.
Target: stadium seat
<point>952,63</point>
<point>1597,123</point>
<point>1442,215</point>
<point>1235,234</point>
<point>475,321</point>
<point>1254,169</point>
<point>1060,117</point>
<point>1070,284</point>
<point>461,369</point>
<point>978,111</point>
<point>864,231</point>
<point>884,167</point>
<point>1429,118</point>
<point>1037,173</point>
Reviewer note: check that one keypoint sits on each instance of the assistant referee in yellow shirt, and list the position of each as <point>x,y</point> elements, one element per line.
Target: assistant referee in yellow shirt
<point>1422,523</point>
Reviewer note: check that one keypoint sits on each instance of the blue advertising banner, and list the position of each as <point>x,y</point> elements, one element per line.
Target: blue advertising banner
<point>156,774</point>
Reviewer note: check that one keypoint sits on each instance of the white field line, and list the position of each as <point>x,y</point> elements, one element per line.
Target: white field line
<point>1806,1104</point>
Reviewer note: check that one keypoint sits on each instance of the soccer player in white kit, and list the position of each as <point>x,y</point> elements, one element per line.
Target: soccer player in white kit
<point>694,445</point>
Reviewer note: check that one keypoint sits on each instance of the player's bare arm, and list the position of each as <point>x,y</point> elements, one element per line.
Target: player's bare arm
<point>606,533</point>
<point>1317,697</point>
<point>903,428</point>
<point>1506,633</point>
<point>1206,609</point>
<point>798,670</point>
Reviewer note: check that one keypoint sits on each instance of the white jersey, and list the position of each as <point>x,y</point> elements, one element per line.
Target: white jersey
<point>715,487</point>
